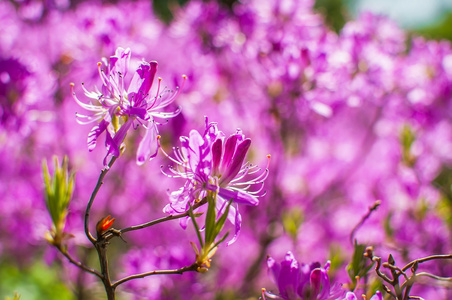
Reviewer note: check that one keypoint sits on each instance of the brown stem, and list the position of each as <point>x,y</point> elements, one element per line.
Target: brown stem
<point>93,196</point>
<point>101,247</point>
<point>114,232</point>
<point>363,219</point>
<point>77,263</point>
<point>428,258</point>
<point>180,271</point>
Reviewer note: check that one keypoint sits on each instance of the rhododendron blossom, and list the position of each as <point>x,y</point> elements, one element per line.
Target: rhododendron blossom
<point>210,167</point>
<point>121,106</point>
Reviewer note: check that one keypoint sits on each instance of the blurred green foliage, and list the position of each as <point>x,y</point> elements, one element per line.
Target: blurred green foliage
<point>441,29</point>
<point>335,12</point>
<point>34,282</point>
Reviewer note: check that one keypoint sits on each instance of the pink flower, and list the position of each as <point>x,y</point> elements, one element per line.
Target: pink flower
<point>119,108</point>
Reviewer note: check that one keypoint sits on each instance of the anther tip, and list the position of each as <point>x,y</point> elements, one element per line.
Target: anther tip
<point>184,76</point>
<point>99,64</point>
<point>268,156</point>
<point>72,84</point>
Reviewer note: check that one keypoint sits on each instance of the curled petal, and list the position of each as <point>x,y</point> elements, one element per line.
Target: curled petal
<point>320,283</point>
<point>273,269</point>
<point>238,197</point>
<point>377,296</point>
<point>148,147</point>
<point>229,150</point>
<point>289,277</point>
<point>235,218</point>
<point>217,148</point>
<point>120,61</point>
<point>237,161</point>
<point>142,83</point>
<point>350,296</point>
<point>95,133</point>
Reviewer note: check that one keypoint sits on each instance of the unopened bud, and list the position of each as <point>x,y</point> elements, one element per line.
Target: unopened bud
<point>104,224</point>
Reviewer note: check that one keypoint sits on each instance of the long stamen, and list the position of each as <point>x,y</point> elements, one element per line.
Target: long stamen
<point>101,73</point>
<point>164,153</point>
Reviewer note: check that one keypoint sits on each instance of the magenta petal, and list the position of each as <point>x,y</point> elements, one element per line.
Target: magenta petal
<point>217,148</point>
<point>113,143</point>
<point>120,61</point>
<point>141,83</point>
<point>320,283</point>
<point>289,277</point>
<point>377,296</point>
<point>229,150</point>
<point>237,162</point>
<point>238,197</point>
<point>194,149</point>
<point>95,133</point>
<point>235,218</point>
<point>121,134</point>
<point>273,269</point>
<point>148,146</point>
<point>184,222</point>
<point>351,296</point>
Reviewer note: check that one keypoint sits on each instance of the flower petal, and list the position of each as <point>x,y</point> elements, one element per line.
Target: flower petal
<point>229,150</point>
<point>236,219</point>
<point>217,148</point>
<point>288,277</point>
<point>148,147</point>
<point>141,83</point>
<point>238,197</point>
<point>120,61</point>
<point>273,269</point>
<point>95,133</point>
<point>237,162</point>
<point>320,284</point>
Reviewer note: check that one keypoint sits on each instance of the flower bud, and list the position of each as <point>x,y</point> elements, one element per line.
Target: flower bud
<point>58,192</point>
<point>104,224</point>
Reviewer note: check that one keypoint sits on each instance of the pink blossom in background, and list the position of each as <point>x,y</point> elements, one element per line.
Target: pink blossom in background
<point>348,119</point>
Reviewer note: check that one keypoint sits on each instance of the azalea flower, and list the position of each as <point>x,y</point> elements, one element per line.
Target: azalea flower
<point>121,105</point>
<point>307,282</point>
<point>213,166</point>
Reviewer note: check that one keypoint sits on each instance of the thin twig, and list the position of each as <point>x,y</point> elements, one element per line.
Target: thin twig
<point>115,232</point>
<point>396,269</point>
<point>180,271</point>
<point>379,273</point>
<point>434,276</point>
<point>79,264</point>
<point>363,219</point>
<point>93,196</point>
<point>425,259</point>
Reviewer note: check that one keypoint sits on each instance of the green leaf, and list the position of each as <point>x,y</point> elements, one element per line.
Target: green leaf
<point>357,266</point>
<point>220,223</point>
<point>221,240</point>
<point>292,220</point>
<point>198,233</point>
<point>210,220</point>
